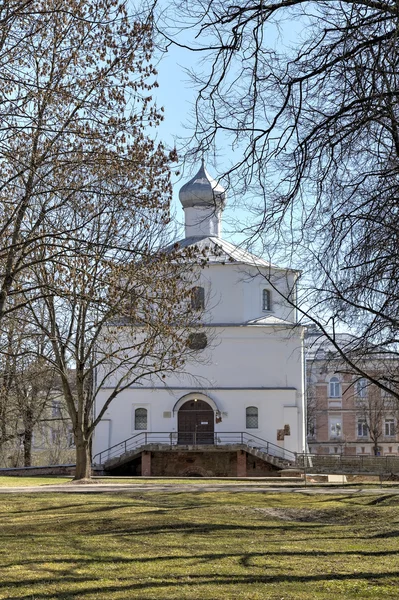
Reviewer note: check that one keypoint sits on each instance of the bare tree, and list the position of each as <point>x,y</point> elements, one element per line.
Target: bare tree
<point>28,384</point>
<point>74,99</point>
<point>117,309</point>
<point>84,201</point>
<point>313,119</point>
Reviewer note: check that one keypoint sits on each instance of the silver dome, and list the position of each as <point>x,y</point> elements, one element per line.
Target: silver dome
<point>202,190</point>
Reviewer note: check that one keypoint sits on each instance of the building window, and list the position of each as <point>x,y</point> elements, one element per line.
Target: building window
<point>198,298</point>
<point>140,419</point>
<point>335,427</point>
<point>335,388</point>
<point>390,427</point>
<point>362,428</point>
<point>361,388</point>
<point>266,300</point>
<point>71,438</point>
<point>251,417</point>
<point>55,436</point>
<point>311,427</point>
<point>56,408</point>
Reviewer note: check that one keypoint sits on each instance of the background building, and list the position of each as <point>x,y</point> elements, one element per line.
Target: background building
<point>346,414</point>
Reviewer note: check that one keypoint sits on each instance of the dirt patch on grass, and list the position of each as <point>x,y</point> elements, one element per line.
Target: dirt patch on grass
<point>310,515</point>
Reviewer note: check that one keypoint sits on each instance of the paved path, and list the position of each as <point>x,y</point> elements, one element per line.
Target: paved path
<point>101,488</point>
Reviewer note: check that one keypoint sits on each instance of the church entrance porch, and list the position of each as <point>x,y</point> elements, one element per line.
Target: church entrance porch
<point>195,423</point>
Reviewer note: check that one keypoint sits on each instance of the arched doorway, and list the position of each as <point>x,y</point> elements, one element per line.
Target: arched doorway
<point>195,423</point>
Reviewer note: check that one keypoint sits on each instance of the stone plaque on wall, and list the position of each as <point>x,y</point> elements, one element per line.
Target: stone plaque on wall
<point>280,435</point>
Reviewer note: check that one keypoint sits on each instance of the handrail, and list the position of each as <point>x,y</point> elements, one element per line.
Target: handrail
<point>174,438</point>
<point>346,463</point>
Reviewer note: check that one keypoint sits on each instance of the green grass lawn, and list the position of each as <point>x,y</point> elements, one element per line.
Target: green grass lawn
<point>7,481</point>
<point>196,545</point>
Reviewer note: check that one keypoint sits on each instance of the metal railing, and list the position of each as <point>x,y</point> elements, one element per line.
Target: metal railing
<point>341,463</point>
<point>174,438</point>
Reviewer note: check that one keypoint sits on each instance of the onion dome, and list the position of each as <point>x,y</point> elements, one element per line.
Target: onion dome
<point>202,191</point>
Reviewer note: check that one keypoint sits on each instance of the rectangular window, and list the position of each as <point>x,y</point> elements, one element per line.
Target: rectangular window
<point>265,299</point>
<point>251,417</point>
<point>311,428</point>
<point>361,428</point>
<point>140,419</point>
<point>335,387</point>
<point>198,298</point>
<point>56,408</point>
<point>55,436</point>
<point>335,427</point>
<point>390,427</point>
<point>71,438</point>
<point>361,388</point>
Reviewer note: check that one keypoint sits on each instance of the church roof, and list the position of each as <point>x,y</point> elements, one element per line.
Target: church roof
<point>265,321</point>
<point>269,320</point>
<point>220,251</point>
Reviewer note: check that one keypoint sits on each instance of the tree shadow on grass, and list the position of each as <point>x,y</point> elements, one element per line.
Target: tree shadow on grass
<point>187,581</point>
<point>244,558</point>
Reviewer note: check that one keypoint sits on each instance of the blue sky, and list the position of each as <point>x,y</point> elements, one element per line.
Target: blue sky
<point>177,95</point>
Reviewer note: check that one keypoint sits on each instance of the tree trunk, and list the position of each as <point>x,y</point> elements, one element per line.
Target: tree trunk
<point>83,460</point>
<point>28,448</point>
<point>28,436</point>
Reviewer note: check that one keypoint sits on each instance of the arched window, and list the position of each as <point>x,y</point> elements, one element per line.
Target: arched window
<point>251,417</point>
<point>140,418</point>
<point>335,388</point>
<point>266,300</point>
<point>198,298</point>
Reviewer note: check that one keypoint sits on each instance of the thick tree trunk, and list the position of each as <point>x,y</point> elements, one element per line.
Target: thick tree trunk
<point>83,460</point>
<point>376,448</point>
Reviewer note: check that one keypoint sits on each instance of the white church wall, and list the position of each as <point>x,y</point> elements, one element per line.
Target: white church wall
<point>257,366</point>
<point>275,410</point>
<point>234,293</point>
<point>254,356</point>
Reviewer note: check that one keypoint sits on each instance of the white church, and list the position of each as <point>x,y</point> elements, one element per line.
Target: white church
<point>239,413</point>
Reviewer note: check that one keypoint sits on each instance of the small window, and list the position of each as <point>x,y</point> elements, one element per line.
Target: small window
<point>252,417</point>
<point>140,419</point>
<point>56,408</point>
<point>361,428</point>
<point>266,300</point>
<point>335,388</point>
<point>361,387</point>
<point>197,341</point>
<point>335,427</point>
<point>71,438</point>
<point>390,427</point>
<point>198,298</point>
<point>55,436</point>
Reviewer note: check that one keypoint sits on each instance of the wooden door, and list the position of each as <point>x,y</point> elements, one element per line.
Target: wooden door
<point>195,423</point>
